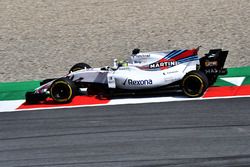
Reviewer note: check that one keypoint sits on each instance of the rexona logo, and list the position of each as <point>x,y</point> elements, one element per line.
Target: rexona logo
<point>163,64</point>
<point>138,82</point>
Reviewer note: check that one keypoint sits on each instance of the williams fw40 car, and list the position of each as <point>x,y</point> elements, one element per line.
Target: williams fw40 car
<point>144,72</point>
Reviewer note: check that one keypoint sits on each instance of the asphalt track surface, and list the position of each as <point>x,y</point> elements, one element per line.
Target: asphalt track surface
<point>212,133</point>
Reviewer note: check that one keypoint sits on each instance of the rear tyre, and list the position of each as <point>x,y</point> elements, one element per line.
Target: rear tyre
<point>79,66</point>
<point>63,90</point>
<point>194,84</point>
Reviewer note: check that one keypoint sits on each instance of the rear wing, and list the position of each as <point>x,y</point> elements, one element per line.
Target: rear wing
<point>212,64</point>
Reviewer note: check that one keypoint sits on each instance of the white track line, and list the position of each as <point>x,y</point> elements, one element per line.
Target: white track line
<point>164,99</point>
<point>10,106</point>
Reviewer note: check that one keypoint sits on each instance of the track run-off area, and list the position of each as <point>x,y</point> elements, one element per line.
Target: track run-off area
<point>155,131</point>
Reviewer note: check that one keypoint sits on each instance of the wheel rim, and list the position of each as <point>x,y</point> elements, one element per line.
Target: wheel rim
<point>193,85</point>
<point>61,92</point>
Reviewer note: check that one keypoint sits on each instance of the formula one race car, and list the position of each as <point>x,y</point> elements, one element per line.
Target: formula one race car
<point>149,71</point>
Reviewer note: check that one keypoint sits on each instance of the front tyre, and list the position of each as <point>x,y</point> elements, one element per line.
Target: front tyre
<point>79,66</point>
<point>194,84</point>
<point>63,90</point>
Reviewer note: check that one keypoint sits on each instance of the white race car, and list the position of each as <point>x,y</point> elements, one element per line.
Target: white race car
<point>148,71</point>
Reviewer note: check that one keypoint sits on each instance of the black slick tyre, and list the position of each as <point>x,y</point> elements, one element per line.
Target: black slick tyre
<point>63,90</point>
<point>194,84</point>
<point>79,66</point>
